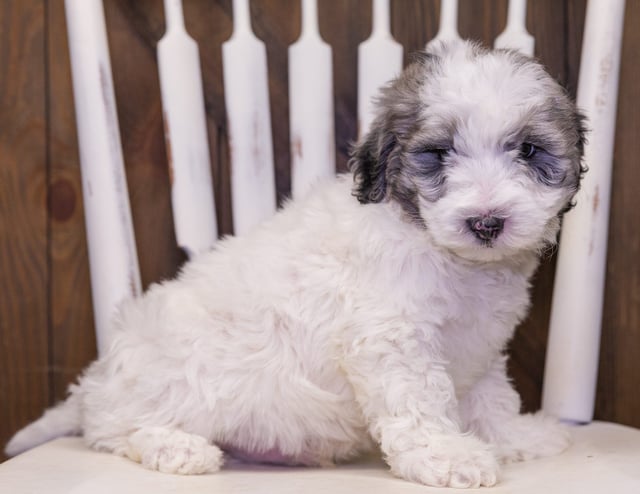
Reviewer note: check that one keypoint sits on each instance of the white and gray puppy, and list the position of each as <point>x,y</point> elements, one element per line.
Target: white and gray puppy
<point>374,313</point>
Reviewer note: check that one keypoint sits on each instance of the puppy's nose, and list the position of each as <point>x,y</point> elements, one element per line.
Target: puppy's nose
<point>487,227</point>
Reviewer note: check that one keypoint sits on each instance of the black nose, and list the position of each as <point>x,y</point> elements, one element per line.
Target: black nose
<point>486,228</point>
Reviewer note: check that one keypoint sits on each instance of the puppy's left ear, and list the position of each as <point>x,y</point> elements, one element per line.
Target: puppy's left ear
<point>580,122</point>
<point>376,159</point>
<point>368,163</point>
<point>581,125</point>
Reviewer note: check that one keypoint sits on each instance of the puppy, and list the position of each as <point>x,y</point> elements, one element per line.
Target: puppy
<point>373,313</point>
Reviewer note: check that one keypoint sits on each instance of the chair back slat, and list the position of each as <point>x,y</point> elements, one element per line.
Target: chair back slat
<point>253,194</point>
<point>578,295</point>
<point>186,137</point>
<point>111,244</point>
<point>515,35</point>
<point>448,29</point>
<point>310,105</point>
<point>379,61</point>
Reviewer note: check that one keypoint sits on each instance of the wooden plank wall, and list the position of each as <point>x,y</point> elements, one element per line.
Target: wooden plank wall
<point>46,332</point>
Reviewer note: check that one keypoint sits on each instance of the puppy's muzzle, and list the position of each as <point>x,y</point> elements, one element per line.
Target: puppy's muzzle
<point>487,227</point>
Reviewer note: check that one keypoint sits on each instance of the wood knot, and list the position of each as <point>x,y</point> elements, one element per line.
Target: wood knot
<point>62,200</point>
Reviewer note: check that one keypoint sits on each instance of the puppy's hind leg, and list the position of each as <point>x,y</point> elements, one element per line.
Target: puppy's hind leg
<point>173,451</point>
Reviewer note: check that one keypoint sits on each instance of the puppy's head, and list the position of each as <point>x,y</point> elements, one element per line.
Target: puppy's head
<point>482,148</point>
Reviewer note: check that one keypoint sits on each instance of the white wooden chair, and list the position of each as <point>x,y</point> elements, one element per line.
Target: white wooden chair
<point>604,457</point>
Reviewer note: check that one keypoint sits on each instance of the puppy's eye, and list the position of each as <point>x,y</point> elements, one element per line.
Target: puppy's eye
<point>430,160</point>
<point>528,150</point>
<point>438,153</point>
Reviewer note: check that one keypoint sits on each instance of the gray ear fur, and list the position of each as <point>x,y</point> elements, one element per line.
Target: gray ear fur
<point>398,107</point>
<point>582,130</point>
<point>369,161</point>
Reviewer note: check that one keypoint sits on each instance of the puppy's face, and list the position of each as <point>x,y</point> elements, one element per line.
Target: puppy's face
<point>482,149</point>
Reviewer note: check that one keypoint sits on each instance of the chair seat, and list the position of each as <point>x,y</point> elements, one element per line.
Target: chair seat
<point>604,458</point>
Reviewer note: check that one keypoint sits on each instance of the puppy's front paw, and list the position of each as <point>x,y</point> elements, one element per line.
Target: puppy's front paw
<point>174,451</point>
<point>532,436</point>
<point>448,462</point>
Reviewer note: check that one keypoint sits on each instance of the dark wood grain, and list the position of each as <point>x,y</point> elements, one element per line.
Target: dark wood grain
<point>72,344</point>
<point>24,270</point>
<point>619,379</point>
<point>134,29</point>
<point>344,24</point>
<point>482,20</point>
<point>210,24</point>
<point>414,23</point>
<point>277,23</point>
<point>46,328</point>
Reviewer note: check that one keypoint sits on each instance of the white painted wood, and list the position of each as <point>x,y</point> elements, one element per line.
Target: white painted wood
<point>112,249</point>
<point>311,105</point>
<point>448,30</point>
<point>515,35</point>
<point>253,196</point>
<point>379,61</point>
<point>186,135</point>
<point>576,315</point>
<point>602,458</point>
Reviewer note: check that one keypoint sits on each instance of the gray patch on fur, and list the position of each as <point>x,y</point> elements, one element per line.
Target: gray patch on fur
<point>381,163</point>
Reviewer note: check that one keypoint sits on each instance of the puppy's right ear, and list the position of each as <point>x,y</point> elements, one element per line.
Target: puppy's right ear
<point>369,161</point>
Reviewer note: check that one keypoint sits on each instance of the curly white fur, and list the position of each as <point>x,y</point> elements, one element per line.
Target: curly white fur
<point>336,326</point>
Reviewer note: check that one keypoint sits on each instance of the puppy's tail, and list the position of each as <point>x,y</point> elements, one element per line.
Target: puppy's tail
<point>60,420</point>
